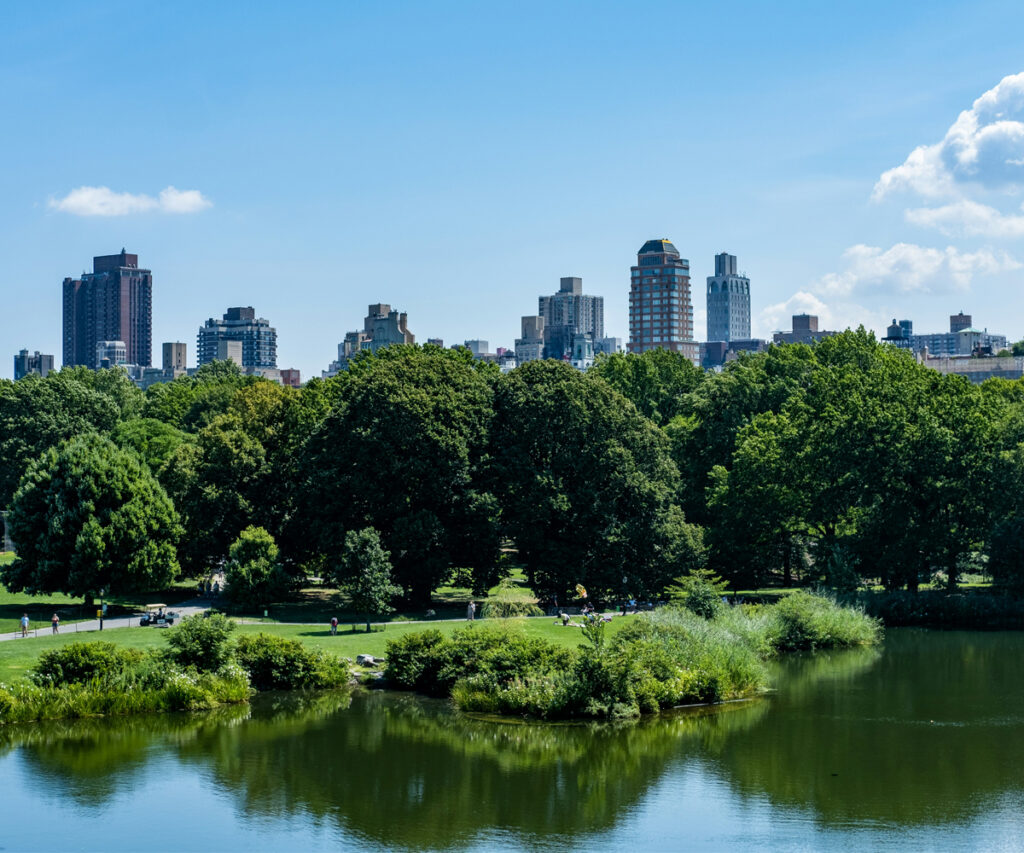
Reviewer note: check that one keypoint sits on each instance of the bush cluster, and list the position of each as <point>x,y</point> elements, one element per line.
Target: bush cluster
<point>804,621</point>
<point>199,670</point>
<point>277,663</point>
<point>81,663</point>
<point>431,663</point>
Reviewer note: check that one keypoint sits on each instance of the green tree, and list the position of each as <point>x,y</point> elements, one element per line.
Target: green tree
<point>217,484</point>
<point>404,451</point>
<point>113,383</point>
<point>253,575</point>
<point>1006,554</point>
<point>154,441</point>
<point>364,572</point>
<point>586,486</point>
<point>89,516</point>
<point>704,432</point>
<point>37,414</point>
<point>656,381</point>
<point>193,402</point>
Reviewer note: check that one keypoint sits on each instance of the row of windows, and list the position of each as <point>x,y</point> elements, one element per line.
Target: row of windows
<point>680,270</point>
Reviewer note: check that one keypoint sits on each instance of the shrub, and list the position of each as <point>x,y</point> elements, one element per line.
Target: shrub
<point>508,603</point>
<point>81,663</point>
<point>700,592</point>
<point>431,663</point>
<point>807,621</point>
<point>508,608</point>
<point>412,661</point>
<point>278,663</point>
<point>201,641</point>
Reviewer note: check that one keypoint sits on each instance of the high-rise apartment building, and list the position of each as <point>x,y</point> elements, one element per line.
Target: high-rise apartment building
<point>728,302</point>
<point>175,357</point>
<point>257,336</point>
<point>38,362</point>
<point>960,321</point>
<point>660,311</point>
<point>382,327</point>
<point>530,347</point>
<point>569,313</point>
<point>112,303</point>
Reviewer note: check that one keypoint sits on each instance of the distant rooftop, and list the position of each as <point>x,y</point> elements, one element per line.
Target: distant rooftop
<point>663,246</point>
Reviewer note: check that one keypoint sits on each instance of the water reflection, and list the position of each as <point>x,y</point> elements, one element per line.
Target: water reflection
<point>926,731</point>
<point>930,734</point>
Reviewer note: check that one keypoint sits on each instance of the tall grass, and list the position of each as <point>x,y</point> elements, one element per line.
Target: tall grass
<point>659,660</point>
<point>807,621</point>
<point>181,691</point>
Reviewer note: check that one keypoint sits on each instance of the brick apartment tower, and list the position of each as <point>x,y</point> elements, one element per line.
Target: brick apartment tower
<point>660,312</point>
<point>112,303</point>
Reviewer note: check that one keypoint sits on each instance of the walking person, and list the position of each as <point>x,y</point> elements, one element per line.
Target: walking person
<point>55,623</point>
<point>334,625</point>
<point>24,625</point>
<point>470,611</point>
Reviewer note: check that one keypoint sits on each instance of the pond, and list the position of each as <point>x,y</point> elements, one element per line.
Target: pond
<point>917,745</point>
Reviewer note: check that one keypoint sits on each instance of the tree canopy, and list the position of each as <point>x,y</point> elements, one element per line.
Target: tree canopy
<point>845,463</point>
<point>89,516</point>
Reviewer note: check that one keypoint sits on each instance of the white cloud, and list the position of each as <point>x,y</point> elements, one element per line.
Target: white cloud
<point>183,201</point>
<point>833,316</point>
<point>967,218</point>
<point>907,267</point>
<point>984,148</point>
<point>778,317</point>
<point>103,201</point>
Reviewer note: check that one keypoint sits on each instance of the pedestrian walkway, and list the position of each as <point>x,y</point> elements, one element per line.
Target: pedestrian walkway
<point>186,608</point>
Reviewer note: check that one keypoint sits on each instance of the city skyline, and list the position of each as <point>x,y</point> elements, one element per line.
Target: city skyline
<point>851,187</point>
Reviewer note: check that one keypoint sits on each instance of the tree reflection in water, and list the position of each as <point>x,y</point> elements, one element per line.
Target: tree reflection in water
<point>924,732</point>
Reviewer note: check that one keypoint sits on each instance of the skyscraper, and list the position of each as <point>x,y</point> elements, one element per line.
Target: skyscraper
<point>569,313</point>
<point>660,313</point>
<point>257,336</point>
<point>112,303</point>
<point>24,364</point>
<point>728,302</point>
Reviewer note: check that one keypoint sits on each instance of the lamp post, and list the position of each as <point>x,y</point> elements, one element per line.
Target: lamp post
<point>103,608</point>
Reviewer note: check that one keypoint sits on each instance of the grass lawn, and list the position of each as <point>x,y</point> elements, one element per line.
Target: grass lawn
<point>18,656</point>
<point>41,607</point>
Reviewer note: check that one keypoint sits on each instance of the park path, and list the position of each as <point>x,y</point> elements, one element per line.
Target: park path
<point>186,608</point>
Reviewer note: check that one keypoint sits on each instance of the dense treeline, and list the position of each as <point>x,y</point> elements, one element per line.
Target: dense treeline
<point>844,463</point>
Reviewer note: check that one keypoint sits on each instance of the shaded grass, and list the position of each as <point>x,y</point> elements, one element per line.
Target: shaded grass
<point>319,604</point>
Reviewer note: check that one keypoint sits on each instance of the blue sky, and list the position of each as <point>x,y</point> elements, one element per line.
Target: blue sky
<point>456,159</point>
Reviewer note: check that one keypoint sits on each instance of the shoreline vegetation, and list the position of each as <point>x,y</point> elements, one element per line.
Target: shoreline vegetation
<point>200,669</point>
<point>640,665</point>
<point>659,660</point>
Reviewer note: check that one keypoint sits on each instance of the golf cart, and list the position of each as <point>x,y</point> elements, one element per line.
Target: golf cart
<point>159,615</point>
